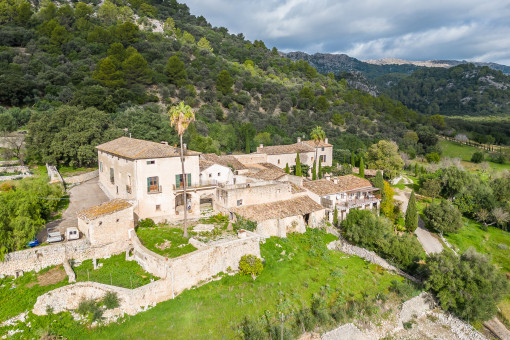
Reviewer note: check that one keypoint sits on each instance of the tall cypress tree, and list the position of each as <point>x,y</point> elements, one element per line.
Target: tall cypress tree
<point>379,181</point>
<point>298,166</point>
<point>411,220</point>
<point>320,169</point>
<point>314,171</point>
<point>287,169</point>
<point>361,168</point>
<point>335,217</point>
<point>353,159</point>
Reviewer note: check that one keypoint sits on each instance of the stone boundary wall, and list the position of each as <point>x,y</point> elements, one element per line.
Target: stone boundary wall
<point>177,275</point>
<point>131,301</point>
<point>6,163</point>
<point>81,178</point>
<point>14,177</point>
<point>54,174</point>
<point>15,168</point>
<point>191,269</point>
<point>369,256</point>
<point>38,258</point>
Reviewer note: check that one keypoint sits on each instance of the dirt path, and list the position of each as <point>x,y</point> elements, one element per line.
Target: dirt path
<point>429,243</point>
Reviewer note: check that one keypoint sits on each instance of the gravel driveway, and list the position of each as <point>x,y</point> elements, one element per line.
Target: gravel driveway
<point>428,241</point>
<point>82,196</point>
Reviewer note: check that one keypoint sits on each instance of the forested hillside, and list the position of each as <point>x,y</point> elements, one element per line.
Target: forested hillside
<point>460,90</point>
<point>78,74</point>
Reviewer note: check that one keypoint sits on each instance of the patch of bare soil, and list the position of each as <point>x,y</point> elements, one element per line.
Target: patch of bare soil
<point>52,276</point>
<point>165,245</point>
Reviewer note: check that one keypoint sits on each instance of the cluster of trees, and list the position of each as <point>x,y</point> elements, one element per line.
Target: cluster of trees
<point>364,228</point>
<point>486,200</point>
<point>25,209</point>
<point>83,55</point>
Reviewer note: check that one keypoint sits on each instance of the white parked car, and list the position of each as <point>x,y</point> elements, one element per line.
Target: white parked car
<point>72,233</point>
<point>54,236</point>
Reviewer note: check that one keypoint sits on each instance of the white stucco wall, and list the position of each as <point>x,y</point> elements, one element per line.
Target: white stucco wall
<point>217,174</point>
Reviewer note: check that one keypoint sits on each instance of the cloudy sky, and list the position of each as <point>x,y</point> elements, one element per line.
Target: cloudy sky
<point>371,29</point>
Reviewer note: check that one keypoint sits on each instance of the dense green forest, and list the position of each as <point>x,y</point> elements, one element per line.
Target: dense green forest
<point>78,74</point>
<point>460,90</point>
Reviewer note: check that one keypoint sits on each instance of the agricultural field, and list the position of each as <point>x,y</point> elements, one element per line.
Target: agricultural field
<point>464,152</point>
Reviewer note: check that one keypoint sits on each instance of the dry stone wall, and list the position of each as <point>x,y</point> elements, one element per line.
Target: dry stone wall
<point>177,275</point>
<point>38,258</point>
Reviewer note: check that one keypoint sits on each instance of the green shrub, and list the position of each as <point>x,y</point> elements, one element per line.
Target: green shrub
<point>147,223</point>
<point>250,265</point>
<point>243,223</point>
<point>252,330</point>
<point>433,157</point>
<point>477,157</point>
<point>91,309</point>
<point>443,217</point>
<point>111,300</point>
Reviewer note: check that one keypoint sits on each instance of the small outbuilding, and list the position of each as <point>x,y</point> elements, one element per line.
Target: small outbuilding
<point>282,217</point>
<point>108,222</point>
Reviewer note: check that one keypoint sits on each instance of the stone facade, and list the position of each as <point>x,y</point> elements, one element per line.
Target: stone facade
<point>280,227</point>
<point>251,193</point>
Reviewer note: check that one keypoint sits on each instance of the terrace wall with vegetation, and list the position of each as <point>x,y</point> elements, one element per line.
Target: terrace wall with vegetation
<point>190,269</point>
<point>81,178</point>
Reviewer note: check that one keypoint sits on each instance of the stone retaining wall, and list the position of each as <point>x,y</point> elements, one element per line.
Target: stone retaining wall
<point>5,163</point>
<point>177,275</point>
<point>81,178</point>
<point>38,258</point>
<point>131,301</point>
<point>54,174</point>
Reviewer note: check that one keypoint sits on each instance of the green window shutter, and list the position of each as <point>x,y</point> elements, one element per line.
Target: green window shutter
<point>189,180</point>
<point>148,184</point>
<point>177,181</point>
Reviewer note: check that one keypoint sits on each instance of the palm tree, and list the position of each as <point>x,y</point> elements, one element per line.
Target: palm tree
<point>180,118</point>
<point>318,135</point>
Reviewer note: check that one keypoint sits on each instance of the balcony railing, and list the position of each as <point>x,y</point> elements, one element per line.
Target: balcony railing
<point>354,203</point>
<point>196,185</point>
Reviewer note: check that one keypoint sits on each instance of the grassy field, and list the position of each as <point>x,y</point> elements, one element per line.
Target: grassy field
<point>296,269</point>
<point>494,242</point>
<point>19,295</point>
<point>67,171</point>
<point>464,152</point>
<point>115,271</point>
<point>165,240</point>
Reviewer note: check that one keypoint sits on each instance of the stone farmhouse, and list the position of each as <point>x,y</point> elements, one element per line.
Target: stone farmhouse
<point>281,155</point>
<point>252,186</point>
<point>344,193</point>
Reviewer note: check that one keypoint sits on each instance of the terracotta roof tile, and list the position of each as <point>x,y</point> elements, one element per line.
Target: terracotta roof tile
<point>323,187</point>
<point>226,160</point>
<point>267,174</point>
<point>133,148</point>
<point>281,209</point>
<point>104,209</point>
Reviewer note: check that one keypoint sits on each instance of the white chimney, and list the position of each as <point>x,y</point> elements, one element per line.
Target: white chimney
<point>299,139</point>
<point>325,140</point>
<point>261,145</point>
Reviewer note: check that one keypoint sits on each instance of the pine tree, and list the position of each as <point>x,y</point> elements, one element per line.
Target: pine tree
<point>416,169</point>
<point>175,71</point>
<point>335,217</point>
<point>298,166</point>
<point>107,73</point>
<point>287,169</point>
<point>314,171</point>
<point>361,168</point>
<point>224,82</point>
<point>353,159</point>
<point>320,169</point>
<point>411,219</point>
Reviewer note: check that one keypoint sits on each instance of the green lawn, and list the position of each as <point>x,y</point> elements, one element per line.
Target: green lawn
<point>296,269</point>
<point>67,171</point>
<point>176,244</point>
<point>19,295</point>
<point>115,271</point>
<point>494,242</point>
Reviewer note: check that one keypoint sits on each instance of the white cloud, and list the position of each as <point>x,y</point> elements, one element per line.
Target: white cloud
<point>418,30</point>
